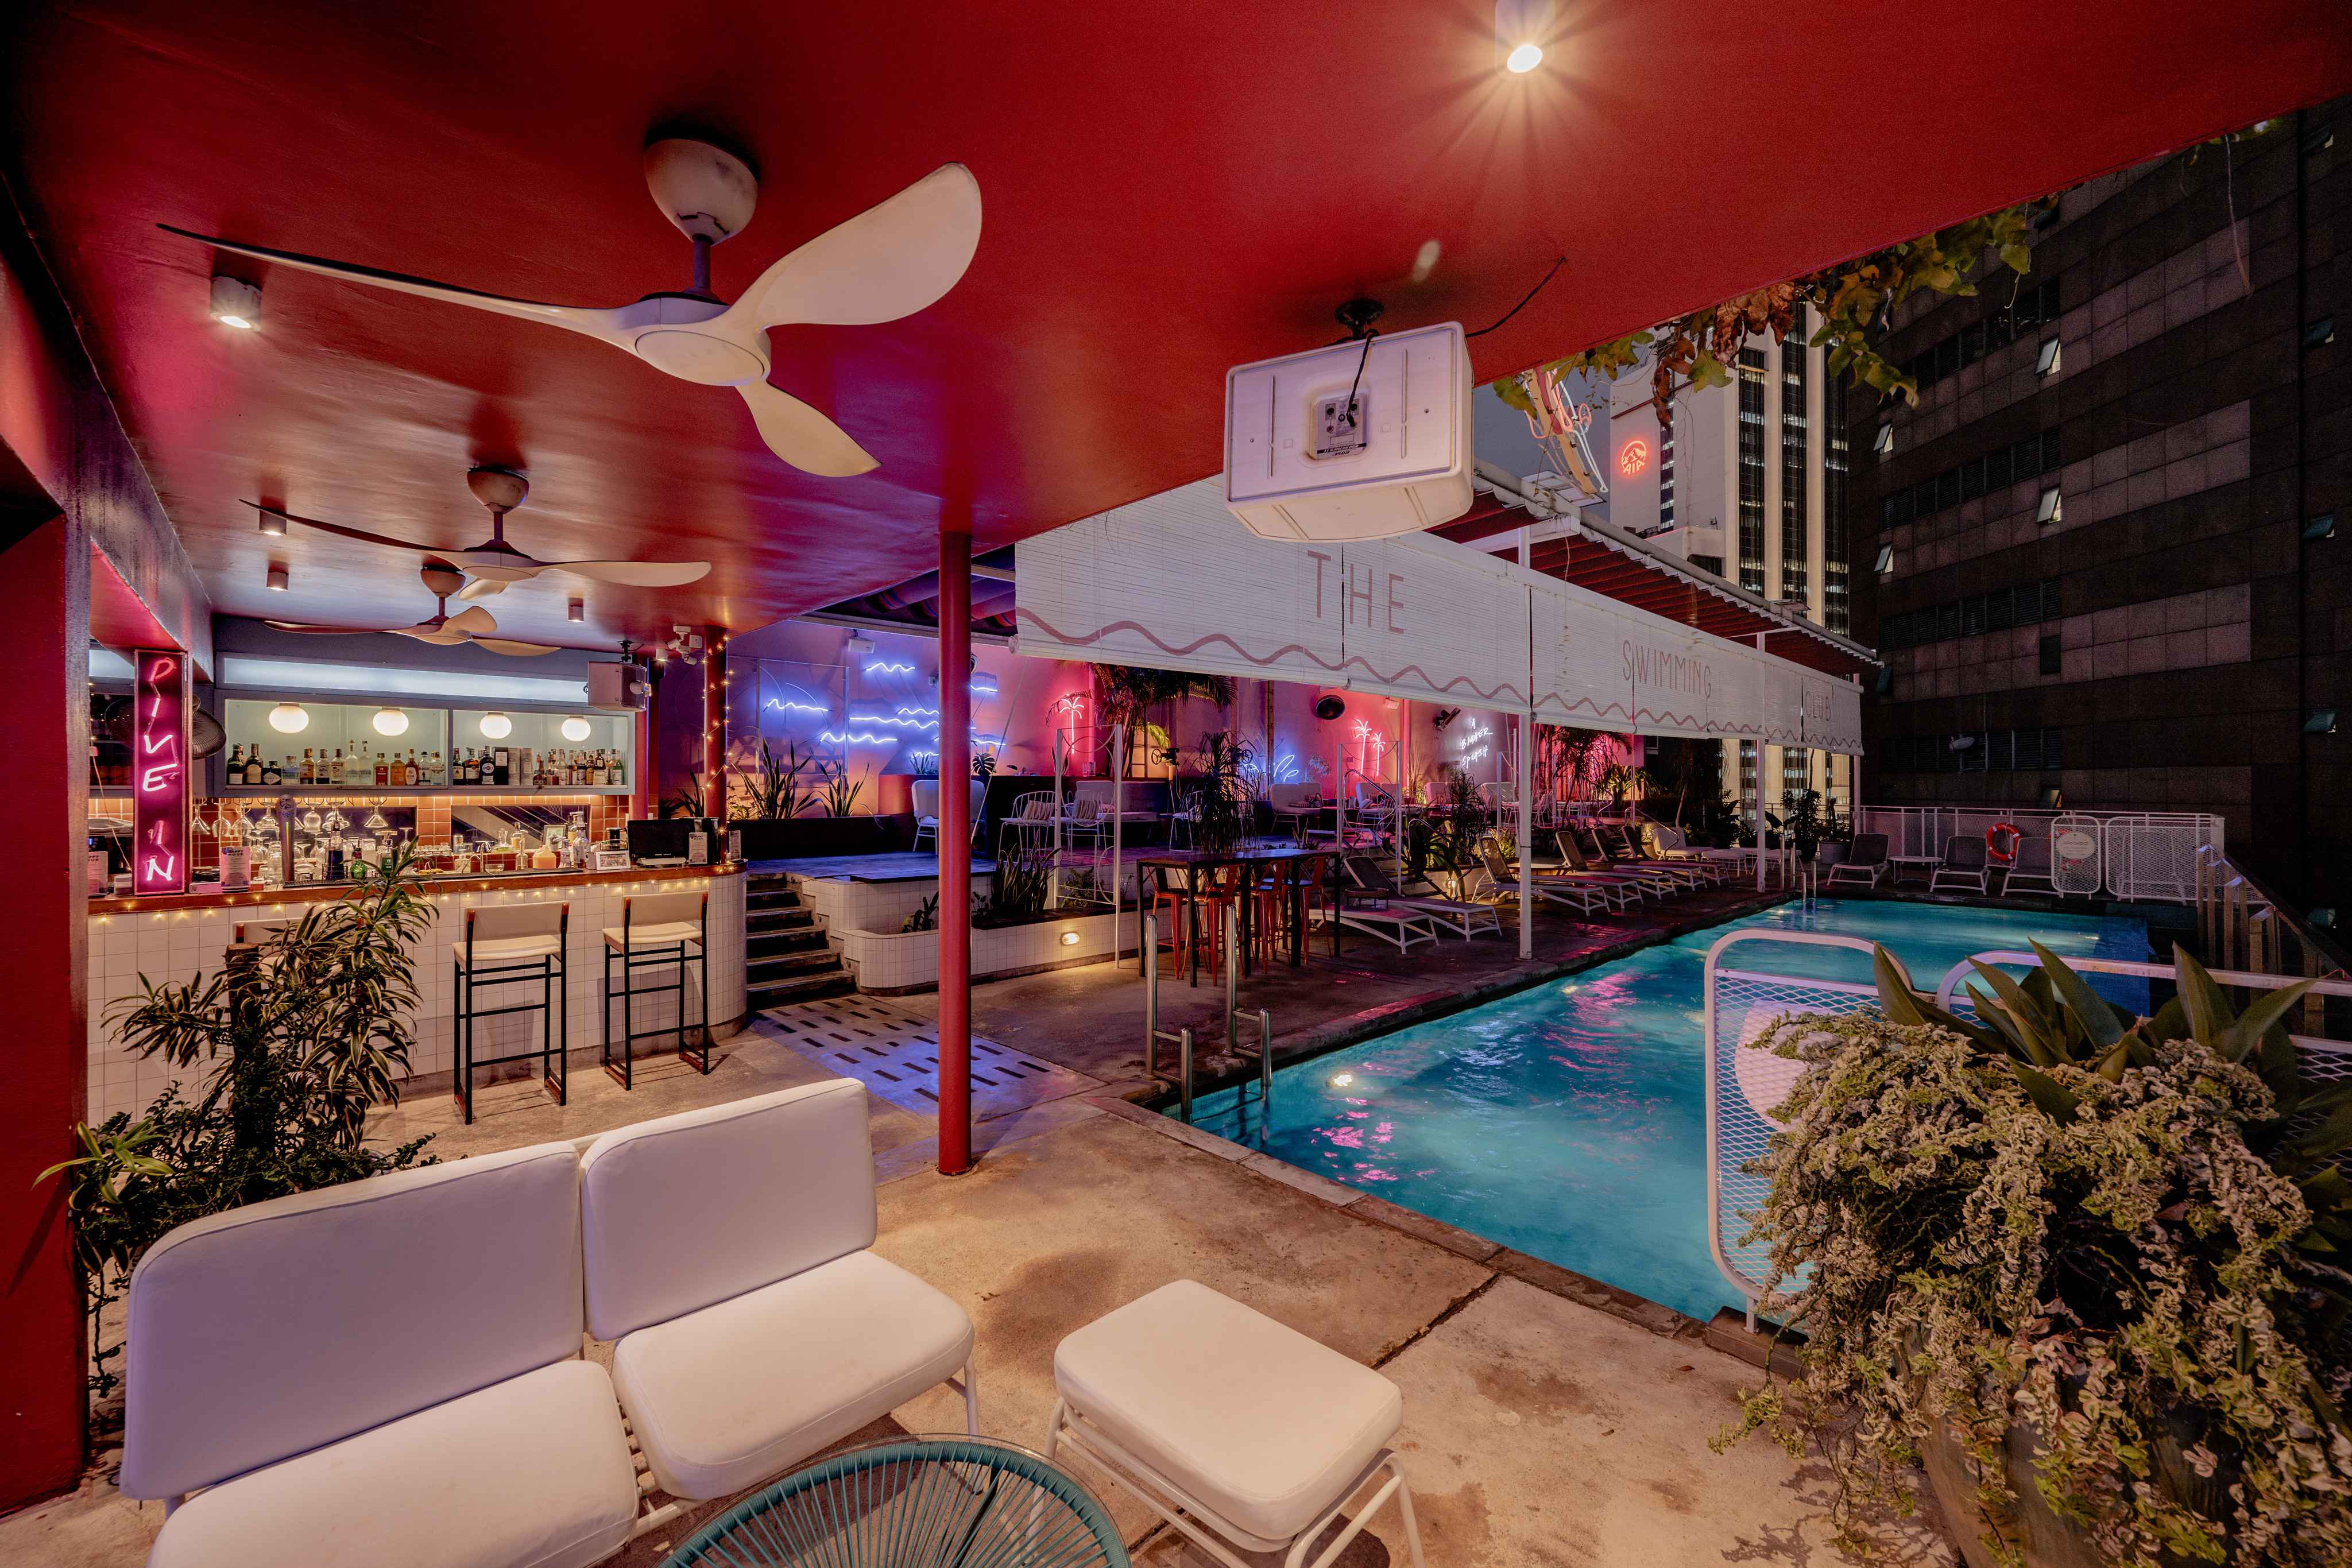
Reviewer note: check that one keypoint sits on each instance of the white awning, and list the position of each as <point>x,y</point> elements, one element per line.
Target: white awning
<point>1174,581</point>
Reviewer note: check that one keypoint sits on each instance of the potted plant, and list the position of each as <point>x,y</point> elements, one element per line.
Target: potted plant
<point>1225,811</point>
<point>295,1042</point>
<point>2090,1267</point>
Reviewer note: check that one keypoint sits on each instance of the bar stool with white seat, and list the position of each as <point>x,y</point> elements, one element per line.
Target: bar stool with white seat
<point>512,944</point>
<point>655,933</point>
<point>1242,1433</point>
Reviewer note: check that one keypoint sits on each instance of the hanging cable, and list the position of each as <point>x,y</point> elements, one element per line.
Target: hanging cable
<point>1522,305</point>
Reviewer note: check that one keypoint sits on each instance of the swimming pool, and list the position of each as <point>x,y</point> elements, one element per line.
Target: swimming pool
<point>1569,1121</point>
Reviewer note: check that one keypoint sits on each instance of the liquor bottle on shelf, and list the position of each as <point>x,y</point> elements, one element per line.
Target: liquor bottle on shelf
<point>236,764</point>
<point>332,768</point>
<point>462,773</point>
<point>273,774</point>
<point>502,768</point>
<point>355,771</point>
<point>253,768</point>
<point>414,773</point>
<point>382,772</point>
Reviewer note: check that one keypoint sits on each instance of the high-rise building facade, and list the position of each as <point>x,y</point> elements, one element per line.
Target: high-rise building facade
<point>1748,481</point>
<point>2102,553</point>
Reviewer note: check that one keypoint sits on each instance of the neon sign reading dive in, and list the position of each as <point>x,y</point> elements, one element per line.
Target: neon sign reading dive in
<point>159,773</point>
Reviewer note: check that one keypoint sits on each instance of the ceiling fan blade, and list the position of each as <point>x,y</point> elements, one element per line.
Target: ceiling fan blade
<point>323,631</point>
<point>471,619</point>
<point>889,261</point>
<point>360,534</point>
<point>441,635</point>
<point>635,573</point>
<point>801,435</point>
<point>482,587</point>
<point>511,649</point>
<point>593,321</point>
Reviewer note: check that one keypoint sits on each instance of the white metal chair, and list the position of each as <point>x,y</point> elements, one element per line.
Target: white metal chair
<point>1029,825</point>
<point>728,1253</point>
<point>1244,1434</point>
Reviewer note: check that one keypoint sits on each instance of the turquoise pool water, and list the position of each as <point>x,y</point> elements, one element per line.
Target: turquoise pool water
<point>1569,1121</point>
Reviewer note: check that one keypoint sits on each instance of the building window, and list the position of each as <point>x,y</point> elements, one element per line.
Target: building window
<point>2053,656</point>
<point>1795,545</point>
<point>2046,362</point>
<point>2053,508</point>
<point>1746,771</point>
<point>1837,609</point>
<point>1886,563</point>
<point>1752,470</point>
<point>1712,563</point>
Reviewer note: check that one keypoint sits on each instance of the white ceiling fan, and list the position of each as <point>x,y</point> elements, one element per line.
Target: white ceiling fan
<point>472,624</point>
<point>494,563</point>
<point>890,261</point>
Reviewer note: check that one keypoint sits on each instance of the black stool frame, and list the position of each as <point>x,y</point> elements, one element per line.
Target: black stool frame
<point>553,971</point>
<point>634,958</point>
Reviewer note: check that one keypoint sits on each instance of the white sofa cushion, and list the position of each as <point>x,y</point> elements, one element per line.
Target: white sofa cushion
<point>1252,1418</point>
<point>727,1397</point>
<point>532,1473</point>
<point>685,1210</point>
<point>282,1326</point>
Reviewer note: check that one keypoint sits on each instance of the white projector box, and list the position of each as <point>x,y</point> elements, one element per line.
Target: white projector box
<point>1297,466</point>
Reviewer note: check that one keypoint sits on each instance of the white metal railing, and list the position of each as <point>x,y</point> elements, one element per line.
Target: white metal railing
<point>1743,1086</point>
<point>2136,855</point>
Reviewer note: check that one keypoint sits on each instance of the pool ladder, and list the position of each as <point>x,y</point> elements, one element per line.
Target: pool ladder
<point>1182,1039</point>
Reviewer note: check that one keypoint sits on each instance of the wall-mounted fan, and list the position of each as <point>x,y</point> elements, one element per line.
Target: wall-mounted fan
<point>494,563</point>
<point>887,262</point>
<point>472,624</point>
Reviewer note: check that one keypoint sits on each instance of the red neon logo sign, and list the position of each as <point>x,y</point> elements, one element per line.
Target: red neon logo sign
<point>159,774</point>
<point>1633,457</point>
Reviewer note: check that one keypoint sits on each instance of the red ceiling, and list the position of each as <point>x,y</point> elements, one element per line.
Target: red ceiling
<point>1169,190</point>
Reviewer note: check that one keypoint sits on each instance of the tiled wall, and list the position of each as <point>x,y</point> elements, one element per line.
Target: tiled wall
<point>845,903</point>
<point>182,943</point>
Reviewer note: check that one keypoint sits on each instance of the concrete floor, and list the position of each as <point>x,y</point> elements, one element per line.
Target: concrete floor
<point>1538,1430</point>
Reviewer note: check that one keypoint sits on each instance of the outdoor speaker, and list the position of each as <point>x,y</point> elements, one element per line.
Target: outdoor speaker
<point>1328,708</point>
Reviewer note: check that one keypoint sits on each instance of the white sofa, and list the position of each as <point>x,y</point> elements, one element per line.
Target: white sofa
<point>394,1366</point>
<point>726,1254</point>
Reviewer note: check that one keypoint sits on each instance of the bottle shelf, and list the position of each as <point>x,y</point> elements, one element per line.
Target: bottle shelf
<point>388,792</point>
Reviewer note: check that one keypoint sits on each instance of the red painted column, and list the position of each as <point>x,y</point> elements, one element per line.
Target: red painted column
<point>955,846</point>
<point>44,966</point>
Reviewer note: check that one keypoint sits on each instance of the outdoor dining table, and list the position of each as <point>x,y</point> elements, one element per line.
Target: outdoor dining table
<point>1188,867</point>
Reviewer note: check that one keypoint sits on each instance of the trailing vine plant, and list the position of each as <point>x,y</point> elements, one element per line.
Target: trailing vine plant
<point>2126,1238</point>
<point>1855,300</point>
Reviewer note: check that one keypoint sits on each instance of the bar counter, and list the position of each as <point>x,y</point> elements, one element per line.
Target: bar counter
<point>215,897</point>
<point>176,938</point>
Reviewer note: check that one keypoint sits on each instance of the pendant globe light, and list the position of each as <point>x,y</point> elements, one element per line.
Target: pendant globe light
<point>289,719</point>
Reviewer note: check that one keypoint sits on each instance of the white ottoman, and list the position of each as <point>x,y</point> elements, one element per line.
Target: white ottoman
<point>1235,1429</point>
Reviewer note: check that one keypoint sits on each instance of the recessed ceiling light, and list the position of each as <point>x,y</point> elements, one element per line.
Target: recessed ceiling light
<point>273,523</point>
<point>237,303</point>
<point>276,580</point>
<point>577,610</point>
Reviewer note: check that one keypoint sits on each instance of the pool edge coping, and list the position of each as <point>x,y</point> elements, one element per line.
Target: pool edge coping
<point>1726,1332</point>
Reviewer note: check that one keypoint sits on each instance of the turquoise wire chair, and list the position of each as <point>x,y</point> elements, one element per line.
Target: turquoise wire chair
<point>917,1502</point>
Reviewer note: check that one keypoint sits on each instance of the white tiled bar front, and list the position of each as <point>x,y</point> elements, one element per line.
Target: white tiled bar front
<point>180,943</point>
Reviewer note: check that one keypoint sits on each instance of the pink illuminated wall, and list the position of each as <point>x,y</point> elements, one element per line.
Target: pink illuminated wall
<point>159,773</point>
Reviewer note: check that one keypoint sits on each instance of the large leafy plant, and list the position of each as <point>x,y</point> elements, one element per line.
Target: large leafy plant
<point>1223,800</point>
<point>295,1042</point>
<point>2124,1236</point>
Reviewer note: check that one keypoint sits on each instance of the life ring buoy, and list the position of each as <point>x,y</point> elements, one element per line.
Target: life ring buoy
<point>1994,848</point>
